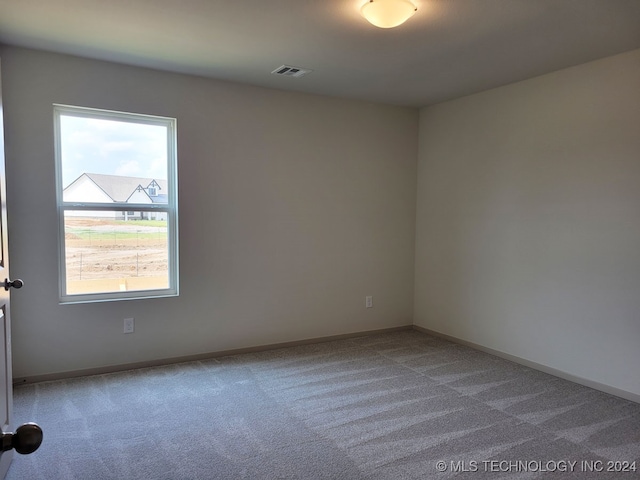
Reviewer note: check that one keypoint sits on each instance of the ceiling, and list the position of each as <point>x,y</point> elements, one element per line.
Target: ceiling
<point>448,49</point>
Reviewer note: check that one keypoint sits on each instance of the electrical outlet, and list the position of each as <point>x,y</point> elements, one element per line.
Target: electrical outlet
<point>368,302</point>
<point>129,325</point>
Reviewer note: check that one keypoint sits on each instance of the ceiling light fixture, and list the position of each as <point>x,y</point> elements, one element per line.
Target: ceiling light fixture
<point>388,13</point>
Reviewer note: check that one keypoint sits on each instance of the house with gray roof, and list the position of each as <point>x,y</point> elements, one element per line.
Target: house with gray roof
<point>100,188</point>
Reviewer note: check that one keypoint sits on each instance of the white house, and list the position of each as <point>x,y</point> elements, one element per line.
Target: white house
<point>99,188</point>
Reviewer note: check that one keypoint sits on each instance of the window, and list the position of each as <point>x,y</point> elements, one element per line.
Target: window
<point>116,240</point>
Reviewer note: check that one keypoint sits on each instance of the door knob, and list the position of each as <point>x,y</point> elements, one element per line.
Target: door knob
<point>17,283</point>
<point>27,439</point>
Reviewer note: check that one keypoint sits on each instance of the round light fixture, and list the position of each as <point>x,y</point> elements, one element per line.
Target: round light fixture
<point>388,13</point>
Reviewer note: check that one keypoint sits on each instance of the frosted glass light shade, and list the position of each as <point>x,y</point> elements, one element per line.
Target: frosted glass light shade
<point>388,13</point>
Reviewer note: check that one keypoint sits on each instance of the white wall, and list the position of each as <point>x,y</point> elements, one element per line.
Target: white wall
<point>292,208</point>
<point>528,220</point>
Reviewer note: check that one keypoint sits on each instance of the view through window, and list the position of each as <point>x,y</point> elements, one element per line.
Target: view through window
<point>117,204</point>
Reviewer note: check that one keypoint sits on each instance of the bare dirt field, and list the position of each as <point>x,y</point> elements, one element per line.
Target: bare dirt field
<point>111,255</point>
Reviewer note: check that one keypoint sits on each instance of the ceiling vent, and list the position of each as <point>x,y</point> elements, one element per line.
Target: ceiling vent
<point>289,71</point>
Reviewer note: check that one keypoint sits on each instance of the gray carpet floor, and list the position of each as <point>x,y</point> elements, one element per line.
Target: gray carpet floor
<point>384,406</point>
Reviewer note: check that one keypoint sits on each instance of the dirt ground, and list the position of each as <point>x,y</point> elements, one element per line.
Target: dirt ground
<point>104,249</point>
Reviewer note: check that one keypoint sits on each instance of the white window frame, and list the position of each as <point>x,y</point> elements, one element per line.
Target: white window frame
<point>170,208</point>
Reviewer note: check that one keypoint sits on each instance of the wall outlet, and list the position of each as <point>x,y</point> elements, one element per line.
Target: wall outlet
<point>129,325</point>
<point>368,302</point>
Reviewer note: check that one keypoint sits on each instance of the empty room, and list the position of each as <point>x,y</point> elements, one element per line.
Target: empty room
<point>339,239</point>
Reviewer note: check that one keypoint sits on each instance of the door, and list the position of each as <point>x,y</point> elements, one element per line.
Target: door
<point>28,436</point>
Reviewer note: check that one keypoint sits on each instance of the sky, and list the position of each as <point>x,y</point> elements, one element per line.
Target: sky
<point>111,147</point>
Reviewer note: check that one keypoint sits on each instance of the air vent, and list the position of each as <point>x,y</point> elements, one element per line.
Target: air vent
<point>289,71</point>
